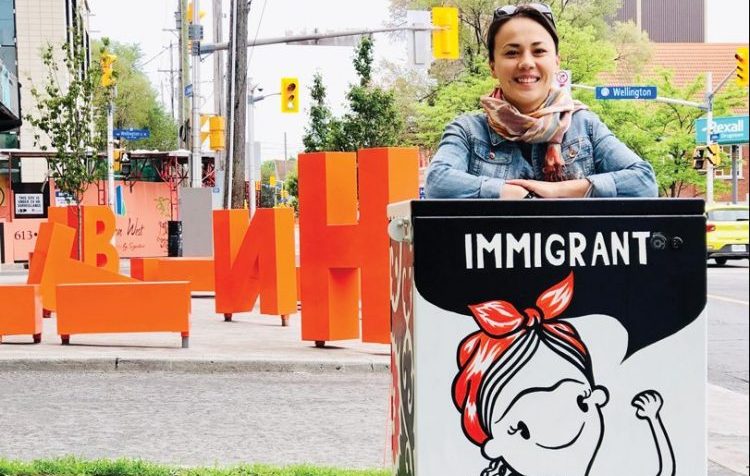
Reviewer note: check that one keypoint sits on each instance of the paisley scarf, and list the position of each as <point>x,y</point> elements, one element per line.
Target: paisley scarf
<point>547,124</point>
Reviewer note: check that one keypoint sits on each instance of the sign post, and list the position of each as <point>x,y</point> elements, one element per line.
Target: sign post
<point>563,79</point>
<point>548,337</point>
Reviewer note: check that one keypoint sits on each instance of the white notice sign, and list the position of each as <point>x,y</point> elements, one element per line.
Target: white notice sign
<point>29,203</point>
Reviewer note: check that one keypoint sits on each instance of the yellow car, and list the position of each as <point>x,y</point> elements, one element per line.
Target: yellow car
<point>727,232</point>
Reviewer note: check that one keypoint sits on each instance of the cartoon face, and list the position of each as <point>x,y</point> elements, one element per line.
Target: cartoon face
<point>547,420</point>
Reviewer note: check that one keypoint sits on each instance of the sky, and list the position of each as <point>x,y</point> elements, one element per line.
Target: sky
<point>143,22</point>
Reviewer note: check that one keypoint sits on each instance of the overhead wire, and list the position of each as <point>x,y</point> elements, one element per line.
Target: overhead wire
<point>257,30</point>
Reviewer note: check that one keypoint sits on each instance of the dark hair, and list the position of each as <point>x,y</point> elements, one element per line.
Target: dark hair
<point>521,12</point>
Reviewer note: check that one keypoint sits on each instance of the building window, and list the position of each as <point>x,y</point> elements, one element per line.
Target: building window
<point>724,170</point>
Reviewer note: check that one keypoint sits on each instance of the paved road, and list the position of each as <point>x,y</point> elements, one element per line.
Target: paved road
<point>204,419</point>
<point>728,327</point>
<point>184,419</point>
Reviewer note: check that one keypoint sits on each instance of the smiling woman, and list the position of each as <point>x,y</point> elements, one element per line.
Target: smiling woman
<point>532,139</point>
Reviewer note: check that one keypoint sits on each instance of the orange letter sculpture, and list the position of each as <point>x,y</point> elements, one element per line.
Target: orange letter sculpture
<point>67,216</point>
<point>255,260</point>
<point>98,226</point>
<point>335,246</point>
<point>52,264</point>
<point>98,230</point>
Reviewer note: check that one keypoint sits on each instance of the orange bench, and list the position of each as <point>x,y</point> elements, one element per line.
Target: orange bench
<point>123,307</point>
<point>198,271</point>
<point>21,311</point>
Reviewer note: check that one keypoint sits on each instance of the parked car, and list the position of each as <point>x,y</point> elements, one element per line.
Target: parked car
<point>727,232</point>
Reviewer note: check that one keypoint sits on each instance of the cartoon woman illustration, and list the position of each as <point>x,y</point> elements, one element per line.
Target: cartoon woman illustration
<point>527,394</point>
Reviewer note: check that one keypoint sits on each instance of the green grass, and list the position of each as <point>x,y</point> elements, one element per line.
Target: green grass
<point>127,467</point>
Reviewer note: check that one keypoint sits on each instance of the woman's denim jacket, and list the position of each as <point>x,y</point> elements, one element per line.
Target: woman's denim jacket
<point>473,161</point>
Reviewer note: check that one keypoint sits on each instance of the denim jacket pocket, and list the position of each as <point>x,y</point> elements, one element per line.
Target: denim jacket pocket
<point>488,161</point>
<point>578,156</point>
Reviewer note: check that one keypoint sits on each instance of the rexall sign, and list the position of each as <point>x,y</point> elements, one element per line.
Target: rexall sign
<point>730,130</point>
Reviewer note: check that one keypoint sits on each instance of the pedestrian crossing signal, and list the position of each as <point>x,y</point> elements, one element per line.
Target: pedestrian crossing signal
<point>289,95</point>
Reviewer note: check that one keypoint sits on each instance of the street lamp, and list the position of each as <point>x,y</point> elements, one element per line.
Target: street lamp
<point>250,171</point>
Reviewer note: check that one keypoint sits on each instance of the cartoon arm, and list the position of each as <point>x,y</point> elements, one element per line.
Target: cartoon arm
<point>648,405</point>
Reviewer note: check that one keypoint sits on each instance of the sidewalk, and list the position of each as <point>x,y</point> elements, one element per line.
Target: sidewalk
<point>250,342</point>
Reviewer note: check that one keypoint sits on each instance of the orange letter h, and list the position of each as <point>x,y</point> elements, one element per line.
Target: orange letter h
<point>344,247</point>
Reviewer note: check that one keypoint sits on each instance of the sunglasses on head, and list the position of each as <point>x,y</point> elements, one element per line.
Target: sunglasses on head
<point>510,10</point>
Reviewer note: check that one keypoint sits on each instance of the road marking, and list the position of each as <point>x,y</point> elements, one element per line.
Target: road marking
<point>728,299</point>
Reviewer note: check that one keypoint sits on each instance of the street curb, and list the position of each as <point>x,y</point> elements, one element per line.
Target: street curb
<point>190,366</point>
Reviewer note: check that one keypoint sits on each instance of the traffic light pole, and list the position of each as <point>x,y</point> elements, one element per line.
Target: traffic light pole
<point>250,138</point>
<point>111,153</point>
<point>210,48</point>
<point>709,129</point>
<point>709,106</point>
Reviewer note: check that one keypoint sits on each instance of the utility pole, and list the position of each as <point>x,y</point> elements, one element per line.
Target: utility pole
<point>196,35</point>
<point>231,90</point>
<point>171,76</point>
<point>171,72</point>
<point>182,112</point>
<point>237,103</point>
<point>218,74</point>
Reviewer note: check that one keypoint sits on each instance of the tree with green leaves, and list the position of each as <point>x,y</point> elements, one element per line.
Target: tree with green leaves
<point>664,134</point>
<point>373,119</point>
<point>292,187</point>
<point>588,46</point>
<point>318,133</point>
<point>67,116</point>
<point>267,193</point>
<point>136,104</point>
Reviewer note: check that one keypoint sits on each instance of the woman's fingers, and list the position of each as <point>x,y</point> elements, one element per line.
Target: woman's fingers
<point>513,191</point>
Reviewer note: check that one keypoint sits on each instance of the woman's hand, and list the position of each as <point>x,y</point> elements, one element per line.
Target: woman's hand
<point>565,189</point>
<point>513,192</point>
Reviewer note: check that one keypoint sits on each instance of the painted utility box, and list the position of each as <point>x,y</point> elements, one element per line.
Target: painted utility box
<point>548,337</point>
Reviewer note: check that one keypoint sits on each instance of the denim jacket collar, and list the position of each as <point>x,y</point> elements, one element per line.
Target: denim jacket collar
<point>495,138</point>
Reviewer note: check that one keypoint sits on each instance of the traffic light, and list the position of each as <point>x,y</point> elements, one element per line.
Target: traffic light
<point>699,158</point>
<point>445,40</point>
<point>216,133</point>
<point>189,13</point>
<point>742,67</point>
<point>713,154</point>
<point>204,135</point>
<point>710,153</point>
<point>289,95</point>
<point>117,156</point>
<point>107,62</point>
